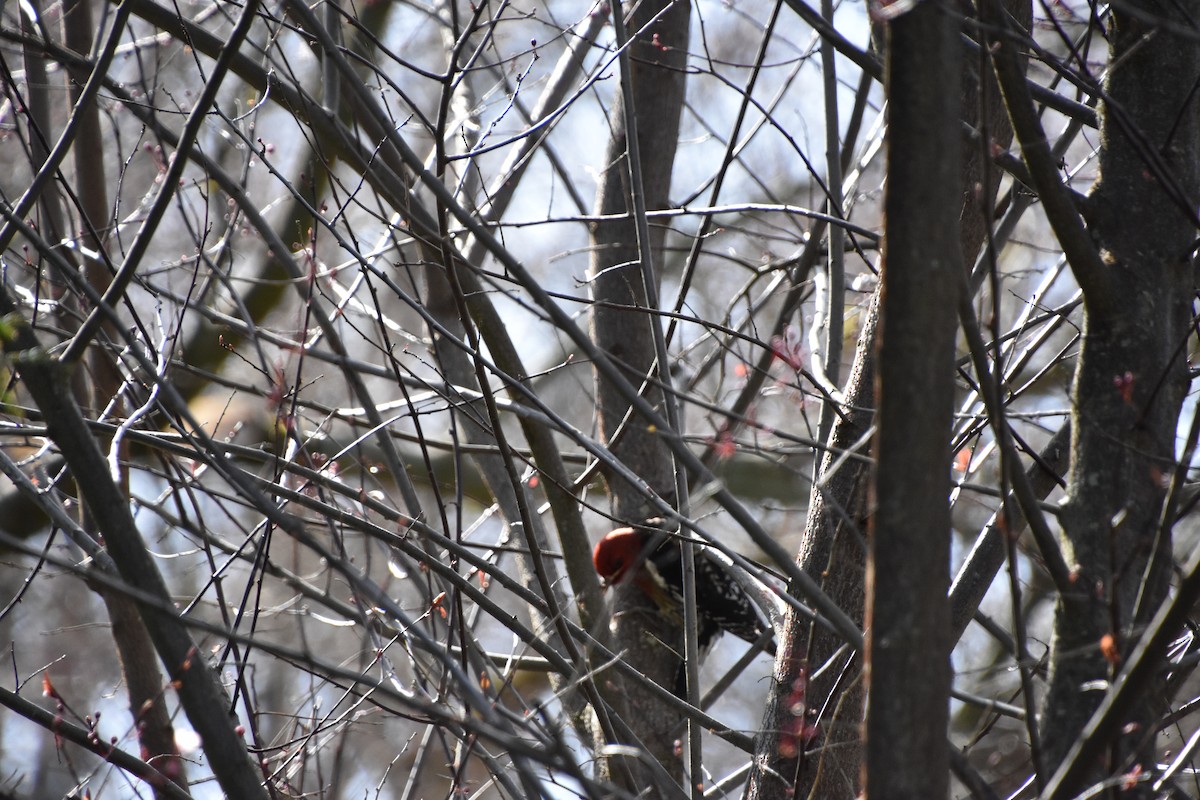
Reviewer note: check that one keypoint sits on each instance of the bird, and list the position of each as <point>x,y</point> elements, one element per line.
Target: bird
<point>653,563</point>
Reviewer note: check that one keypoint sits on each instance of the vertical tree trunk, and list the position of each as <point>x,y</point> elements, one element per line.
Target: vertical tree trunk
<point>621,326</point>
<point>908,564</point>
<point>1131,376</point>
<point>817,704</point>
<point>621,318</point>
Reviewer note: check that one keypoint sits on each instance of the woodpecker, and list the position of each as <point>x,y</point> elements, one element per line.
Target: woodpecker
<point>721,602</point>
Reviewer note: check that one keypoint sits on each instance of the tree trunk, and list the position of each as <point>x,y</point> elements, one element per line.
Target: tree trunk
<point>1130,379</point>
<point>830,694</point>
<point>621,327</point>
<point>908,564</point>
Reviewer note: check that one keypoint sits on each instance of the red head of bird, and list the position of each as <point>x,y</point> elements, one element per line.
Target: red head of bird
<point>617,552</point>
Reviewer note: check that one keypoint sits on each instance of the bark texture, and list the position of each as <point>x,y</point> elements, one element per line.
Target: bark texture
<point>621,326</point>
<point>1131,375</point>
<point>810,741</point>
<point>621,318</point>
<point>908,567</point>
